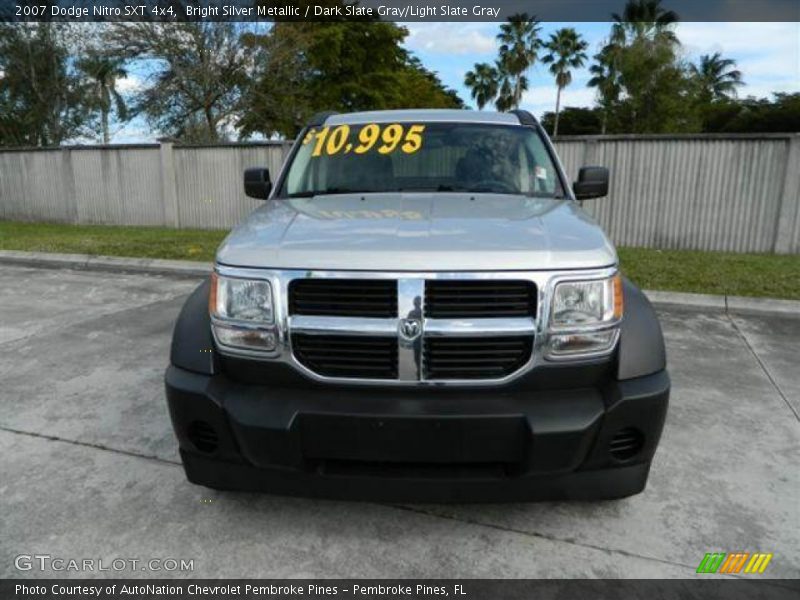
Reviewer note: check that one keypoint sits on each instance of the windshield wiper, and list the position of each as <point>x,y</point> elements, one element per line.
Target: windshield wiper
<point>545,195</point>
<point>333,190</point>
<point>439,188</point>
<point>430,188</point>
<point>452,188</point>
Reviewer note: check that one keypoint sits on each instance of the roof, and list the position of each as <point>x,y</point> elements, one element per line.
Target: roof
<point>423,115</point>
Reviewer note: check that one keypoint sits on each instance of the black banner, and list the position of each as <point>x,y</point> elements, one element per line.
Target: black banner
<point>423,589</point>
<point>390,10</point>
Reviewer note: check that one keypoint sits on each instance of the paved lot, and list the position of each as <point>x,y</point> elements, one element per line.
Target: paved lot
<point>90,466</point>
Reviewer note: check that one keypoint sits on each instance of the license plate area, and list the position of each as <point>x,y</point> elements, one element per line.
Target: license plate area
<point>422,439</point>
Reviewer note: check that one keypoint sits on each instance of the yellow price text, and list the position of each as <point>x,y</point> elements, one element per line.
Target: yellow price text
<point>384,139</point>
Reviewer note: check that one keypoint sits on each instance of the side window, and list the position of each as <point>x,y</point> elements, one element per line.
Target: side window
<point>299,179</point>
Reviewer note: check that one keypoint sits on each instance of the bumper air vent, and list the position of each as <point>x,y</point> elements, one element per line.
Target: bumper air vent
<point>343,297</point>
<point>474,358</point>
<point>351,356</point>
<point>627,443</point>
<point>203,436</point>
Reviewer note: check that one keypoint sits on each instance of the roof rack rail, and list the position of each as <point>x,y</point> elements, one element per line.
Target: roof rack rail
<point>525,118</point>
<point>320,117</point>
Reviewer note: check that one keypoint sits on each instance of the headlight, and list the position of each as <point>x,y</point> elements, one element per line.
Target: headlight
<point>242,313</point>
<point>241,299</point>
<point>583,317</point>
<point>580,303</point>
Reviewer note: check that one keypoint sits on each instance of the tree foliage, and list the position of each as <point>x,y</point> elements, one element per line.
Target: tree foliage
<point>575,121</point>
<point>716,77</point>
<point>211,81</point>
<point>605,77</point>
<point>643,87</point>
<point>505,82</point>
<point>779,114</point>
<point>519,47</point>
<point>309,67</point>
<point>644,20</point>
<point>102,72</point>
<point>753,115</point>
<point>566,50</point>
<point>200,71</point>
<point>483,82</point>
<point>42,100</point>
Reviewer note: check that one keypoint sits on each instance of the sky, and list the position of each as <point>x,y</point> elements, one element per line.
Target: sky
<point>768,54</point>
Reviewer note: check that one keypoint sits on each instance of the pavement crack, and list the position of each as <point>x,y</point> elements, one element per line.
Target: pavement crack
<point>761,364</point>
<point>539,535</point>
<point>54,438</point>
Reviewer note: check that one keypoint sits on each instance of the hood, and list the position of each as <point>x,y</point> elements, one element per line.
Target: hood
<point>418,232</point>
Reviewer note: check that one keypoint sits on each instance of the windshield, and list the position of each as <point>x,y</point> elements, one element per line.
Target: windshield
<point>422,157</point>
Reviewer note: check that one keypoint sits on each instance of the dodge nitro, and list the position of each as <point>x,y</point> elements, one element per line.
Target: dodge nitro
<point>419,311</point>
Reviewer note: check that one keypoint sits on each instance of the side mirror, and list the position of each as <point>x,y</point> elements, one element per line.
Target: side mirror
<point>257,183</point>
<point>592,183</point>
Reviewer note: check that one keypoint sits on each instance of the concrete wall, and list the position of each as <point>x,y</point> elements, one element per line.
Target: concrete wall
<point>712,192</point>
<point>734,193</point>
<point>155,184</point>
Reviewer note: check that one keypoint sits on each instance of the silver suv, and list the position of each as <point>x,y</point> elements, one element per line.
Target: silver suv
<point>420,311</point>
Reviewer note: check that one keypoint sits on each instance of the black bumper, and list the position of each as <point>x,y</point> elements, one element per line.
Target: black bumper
<point>499,444</point>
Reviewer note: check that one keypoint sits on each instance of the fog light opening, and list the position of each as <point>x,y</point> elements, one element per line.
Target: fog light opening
<point>203,436</point>
<point>626,443</point>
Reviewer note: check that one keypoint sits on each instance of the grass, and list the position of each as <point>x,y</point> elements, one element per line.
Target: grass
<point>147,242</point>
<point>764,275</point>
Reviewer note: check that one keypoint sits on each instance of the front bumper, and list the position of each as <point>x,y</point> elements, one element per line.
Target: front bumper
<point>427,445</point>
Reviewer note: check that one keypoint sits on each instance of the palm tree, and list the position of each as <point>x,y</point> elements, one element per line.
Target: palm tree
<point>103,72</point>
<point>519,44</point>
<point>483,83</point>
<point>606,78</point>
<point>567,50</point>
<point>505,96</point>
<point>644,19</point>
<point>639,53</point>
<point>717,76</point>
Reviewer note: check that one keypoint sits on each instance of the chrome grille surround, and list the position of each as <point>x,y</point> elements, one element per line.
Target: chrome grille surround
<point>410,286</point>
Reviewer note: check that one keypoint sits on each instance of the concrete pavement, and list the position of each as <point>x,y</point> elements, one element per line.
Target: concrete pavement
<point>90,466</point>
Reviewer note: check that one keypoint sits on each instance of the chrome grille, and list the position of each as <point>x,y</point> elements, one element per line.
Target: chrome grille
<point>456,299</point>
<point>411,329</point>
<point>474,358</point>
<point>343,297</point>
<point>347,356</point>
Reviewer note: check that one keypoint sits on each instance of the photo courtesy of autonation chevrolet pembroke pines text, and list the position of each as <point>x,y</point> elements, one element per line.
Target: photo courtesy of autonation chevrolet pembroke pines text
<point>399,299</point>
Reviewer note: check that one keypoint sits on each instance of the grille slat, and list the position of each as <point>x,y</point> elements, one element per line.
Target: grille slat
<point>474,358</point>
<point>347,356</point>
<point>480,354</point>
<point>474,361</point>
<point>343,297</point>
<point>326,352</point>
<point>483,298</point>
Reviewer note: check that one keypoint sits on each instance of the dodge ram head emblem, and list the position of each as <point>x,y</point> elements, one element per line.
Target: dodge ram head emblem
<point>410,328</point>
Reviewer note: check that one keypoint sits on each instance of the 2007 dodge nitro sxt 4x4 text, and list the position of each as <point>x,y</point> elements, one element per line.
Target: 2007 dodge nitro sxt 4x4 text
<point>420,311</point>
